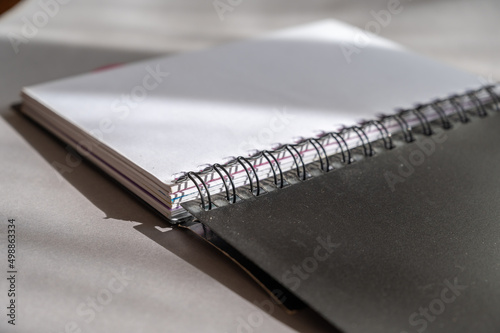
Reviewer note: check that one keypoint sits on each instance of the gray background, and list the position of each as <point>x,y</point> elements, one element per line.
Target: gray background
<point>75,230</point>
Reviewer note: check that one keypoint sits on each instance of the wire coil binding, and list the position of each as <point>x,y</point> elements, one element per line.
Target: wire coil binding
<point>462,106</point>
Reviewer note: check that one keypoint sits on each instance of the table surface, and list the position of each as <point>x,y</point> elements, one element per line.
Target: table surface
<point>91,258</point>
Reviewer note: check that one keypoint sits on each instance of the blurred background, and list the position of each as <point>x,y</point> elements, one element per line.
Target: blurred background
<point>459,32</point>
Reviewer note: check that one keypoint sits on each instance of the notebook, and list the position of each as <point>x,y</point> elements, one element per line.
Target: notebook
<point>149,124</point>
<point>339,169</point>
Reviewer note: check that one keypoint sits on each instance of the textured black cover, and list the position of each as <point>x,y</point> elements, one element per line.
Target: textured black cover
<point>423,255</point>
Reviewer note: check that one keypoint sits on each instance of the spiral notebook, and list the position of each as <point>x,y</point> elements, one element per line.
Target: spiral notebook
<point>151,123</point>
<point>341,170</point>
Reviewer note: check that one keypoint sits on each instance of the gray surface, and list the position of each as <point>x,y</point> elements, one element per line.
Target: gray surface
<point>73,231</point>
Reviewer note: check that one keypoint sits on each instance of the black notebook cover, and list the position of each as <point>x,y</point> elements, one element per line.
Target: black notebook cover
<point>405,241</point>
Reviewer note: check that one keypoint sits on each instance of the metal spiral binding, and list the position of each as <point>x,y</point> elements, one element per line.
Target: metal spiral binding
<point>445,120</point>
<point>240,159</point>
<point>405,128</point>
<point>367,146</point>
<point>272,167</point>
<point>338,138</point>
<point>303,177</point>
<point>477,102</point>
<point>216,167</point>
<point>386,136</point>
<point>459,107</point>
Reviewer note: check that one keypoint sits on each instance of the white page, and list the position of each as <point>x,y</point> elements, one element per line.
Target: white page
<point>225,101</point>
